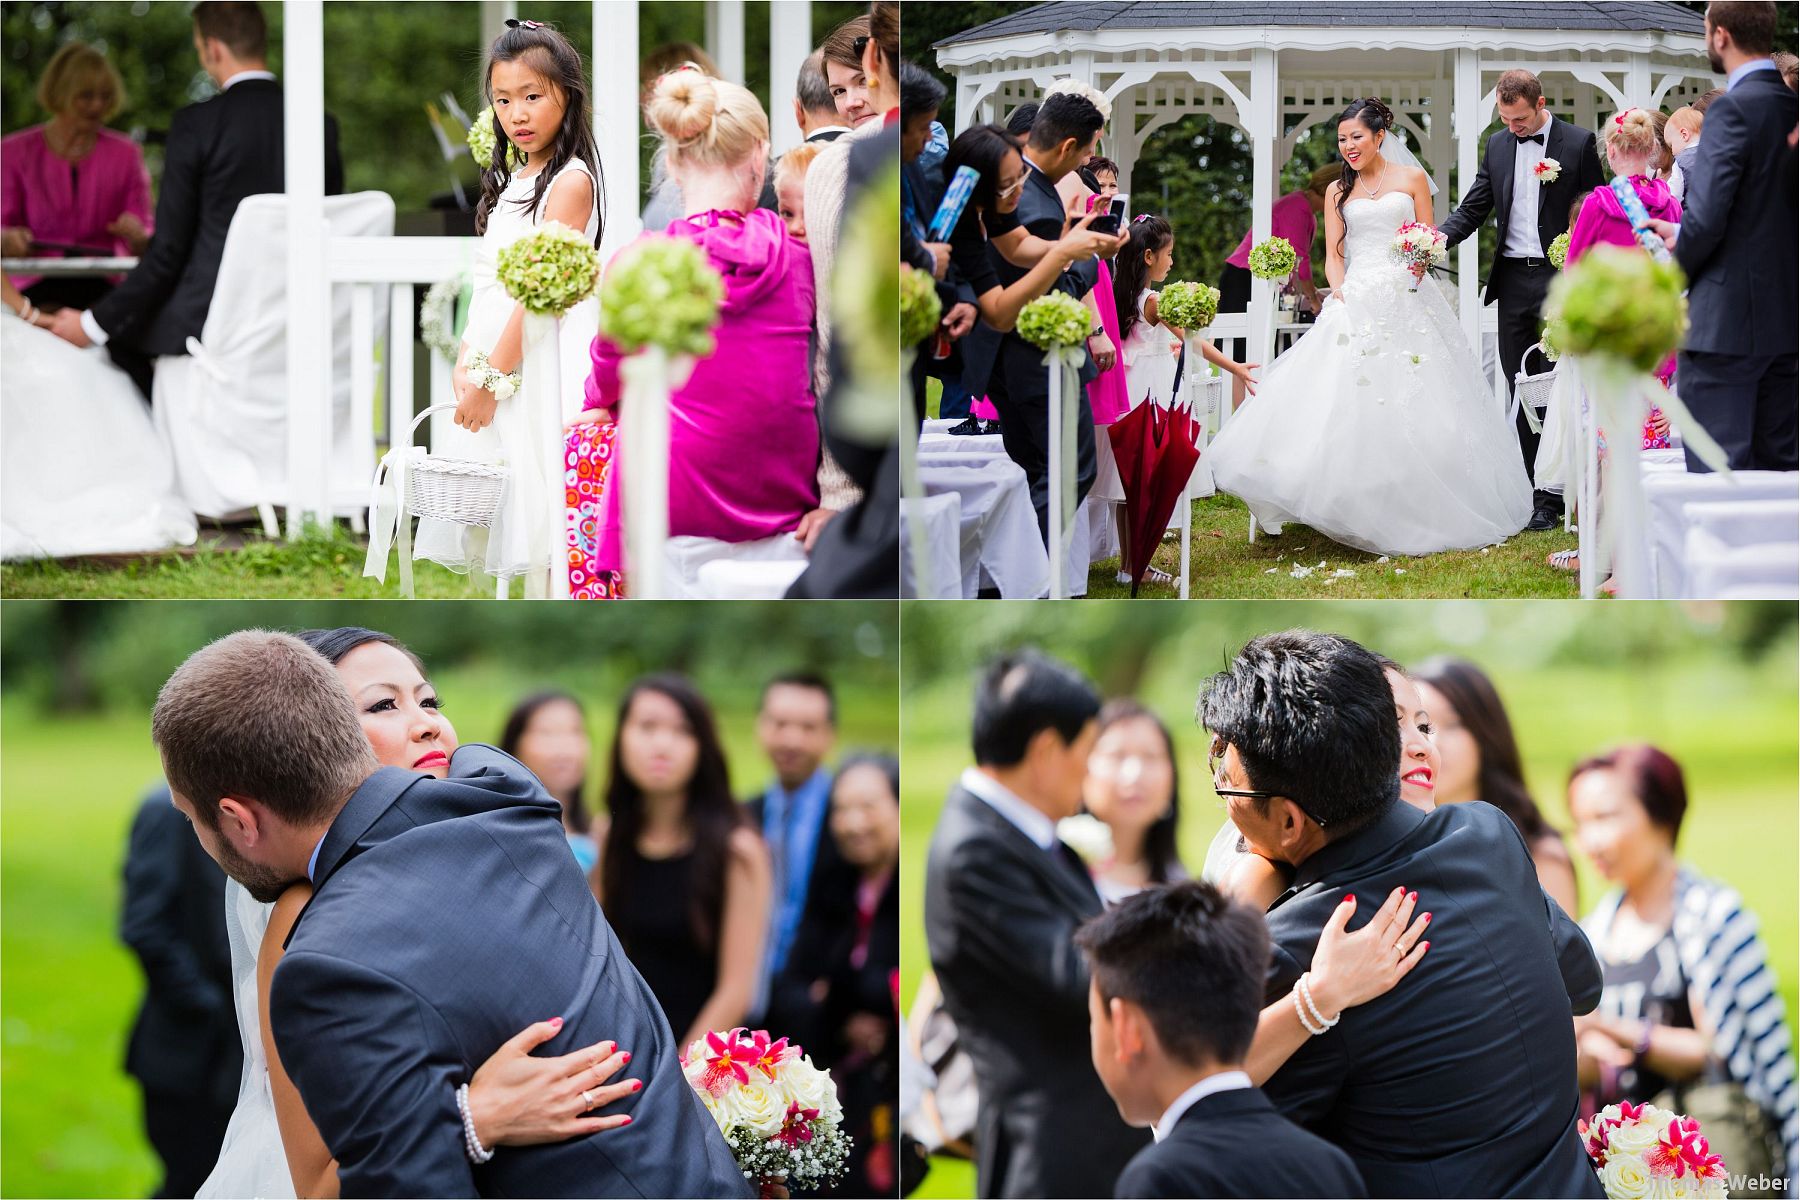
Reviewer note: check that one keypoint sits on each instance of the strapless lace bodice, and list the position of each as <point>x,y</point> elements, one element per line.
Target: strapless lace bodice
<point>1369,227</point>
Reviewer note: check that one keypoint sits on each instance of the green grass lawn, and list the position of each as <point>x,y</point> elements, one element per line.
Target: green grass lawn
<point>1730,724</point>
<point>1226,564</point>
<point>70,1119</point>
<point>325,566</point>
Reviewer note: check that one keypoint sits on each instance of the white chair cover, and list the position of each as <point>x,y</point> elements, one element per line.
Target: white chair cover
<point>999,532</point>
<point>1667,495</point>
<point>940,520</point>
<point>222,408</point>
<point>950,443</point>
<point>1763,572</point>
<point>1747,522</point>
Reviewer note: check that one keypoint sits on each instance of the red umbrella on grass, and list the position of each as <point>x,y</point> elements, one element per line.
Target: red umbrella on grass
<point>1156,449</point>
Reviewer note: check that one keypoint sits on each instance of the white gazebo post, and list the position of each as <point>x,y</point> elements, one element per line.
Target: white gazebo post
<point>617,120</point>
<point>1468,118</point>
<point>309,295</point>
<point>494,15</point>
<point>1262,125</point>
<point>790,41</point>
<point>725,37</point>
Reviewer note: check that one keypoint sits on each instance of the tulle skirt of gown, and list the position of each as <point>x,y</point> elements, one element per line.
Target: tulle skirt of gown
<point>1378,430</point>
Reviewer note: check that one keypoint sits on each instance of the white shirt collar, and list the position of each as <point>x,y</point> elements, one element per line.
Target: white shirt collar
<point>827,129</point>
<point>1224,1081</point>
<point>243,75</point>
<point>1026,819</point>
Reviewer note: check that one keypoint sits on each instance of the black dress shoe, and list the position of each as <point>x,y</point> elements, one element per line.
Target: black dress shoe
<point>968,427</point>
<point>990,427</point>
<point>1543,518</point>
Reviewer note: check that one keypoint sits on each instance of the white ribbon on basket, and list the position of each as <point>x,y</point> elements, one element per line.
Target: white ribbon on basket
<point>1062,362</point>
<point>387,501</point>
<point>647,379</point>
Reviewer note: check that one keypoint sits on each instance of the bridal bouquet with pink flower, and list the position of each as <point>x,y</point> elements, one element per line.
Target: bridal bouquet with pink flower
<point>779,1113</point>
<point>1419,247</point>
<point>1640,1150</point>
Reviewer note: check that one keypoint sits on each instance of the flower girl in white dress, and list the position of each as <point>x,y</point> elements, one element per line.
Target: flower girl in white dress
<point>538,91</point>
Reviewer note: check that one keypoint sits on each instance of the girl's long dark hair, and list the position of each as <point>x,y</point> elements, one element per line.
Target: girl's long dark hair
<point>551,55</point>
<point>1131,274</point>
<point>513,732</point>
<point>1501,778</point>
<point>711,814</point>
<point>1375,117</point>
<point>1160,850</point>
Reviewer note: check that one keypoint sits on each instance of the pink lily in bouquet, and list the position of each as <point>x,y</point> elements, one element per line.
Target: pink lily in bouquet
<point>1418,247</point>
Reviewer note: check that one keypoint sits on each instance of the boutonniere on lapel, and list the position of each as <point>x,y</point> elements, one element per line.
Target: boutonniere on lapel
<point>1547,170</point>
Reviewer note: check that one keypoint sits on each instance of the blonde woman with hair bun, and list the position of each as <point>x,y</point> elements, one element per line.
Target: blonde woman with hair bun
<point>744,428</point>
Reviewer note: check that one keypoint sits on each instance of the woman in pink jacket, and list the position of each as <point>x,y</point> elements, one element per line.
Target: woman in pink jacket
<point>71,180</point>
<point>744,429</point>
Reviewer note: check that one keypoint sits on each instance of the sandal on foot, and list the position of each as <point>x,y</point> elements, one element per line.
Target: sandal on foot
<point>1564,560</point>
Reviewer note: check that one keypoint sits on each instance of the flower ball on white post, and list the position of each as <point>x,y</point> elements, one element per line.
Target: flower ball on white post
<point>1060,325</point>
<point>920,312</point>
<point>1191,308</point>
<point>660,304</point>
<point>548,271</point>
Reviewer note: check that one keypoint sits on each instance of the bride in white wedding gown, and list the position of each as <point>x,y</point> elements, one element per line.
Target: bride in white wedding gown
<point>1377,429</point>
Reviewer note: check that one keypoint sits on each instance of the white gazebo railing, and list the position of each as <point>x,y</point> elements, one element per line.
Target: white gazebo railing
<point>1273,69</point>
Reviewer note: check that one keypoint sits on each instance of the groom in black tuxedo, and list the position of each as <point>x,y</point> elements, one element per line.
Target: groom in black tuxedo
<point>1003,898</point>
<point>1461,1080</point>
<point>1530,215</point>
<point>447,914</point>
<point>219,151</point>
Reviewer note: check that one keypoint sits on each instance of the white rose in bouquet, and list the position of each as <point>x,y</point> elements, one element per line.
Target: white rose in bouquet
<point>1625,1177</point>
<point>1637,1138</point>
<point>809,1087</point>
<point>754,1106</point>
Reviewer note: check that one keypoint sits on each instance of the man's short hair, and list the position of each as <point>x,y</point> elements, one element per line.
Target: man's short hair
<point>1193,960</point>
<point>812,682</point>
<point>921,92</point>
<point>813,90</point>
<point>260,715</point>
<point>1021,695</point>
<point>1063,116</point>
<point>1751,23</point>
<point>1312,718</point>
<point>237,23</point>
<point>1516,85</point>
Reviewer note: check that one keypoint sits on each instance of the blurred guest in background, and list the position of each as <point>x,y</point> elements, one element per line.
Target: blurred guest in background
<point>1133,789</point>
<point>796,727</point>
<point>842,964</point>
<point>815,109</point>
<point>1480,761</point>
<point>73,181</point>
<point>547,731</point>
<point>790,187</point>
<point>184,1049</point>
<point>1003,898</point>
<point>1690,1017</point>
<point>682,879</point>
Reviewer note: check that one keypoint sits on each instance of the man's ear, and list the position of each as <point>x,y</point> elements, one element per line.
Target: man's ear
<point>242,821</point>
<point>1128,1029</point>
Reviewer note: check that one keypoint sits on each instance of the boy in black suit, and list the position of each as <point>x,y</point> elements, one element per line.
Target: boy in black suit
<point>1173,1004</point>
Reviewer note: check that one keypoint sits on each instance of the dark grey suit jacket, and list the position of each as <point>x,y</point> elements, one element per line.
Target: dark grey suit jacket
<point>448,916</point>
<point>1492,192</point>
<point>1232,1144</point>
<point>1000,916</point>
<point>1460,1081</point>
<point>1738,242</point>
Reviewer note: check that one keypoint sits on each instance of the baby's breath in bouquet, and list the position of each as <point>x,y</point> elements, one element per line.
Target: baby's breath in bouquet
<point>661,291</point>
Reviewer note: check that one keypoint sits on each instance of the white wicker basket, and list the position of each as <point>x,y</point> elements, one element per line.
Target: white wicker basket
<point>457,490</point>
<point>1533,390</point>
<point>1209,402</point>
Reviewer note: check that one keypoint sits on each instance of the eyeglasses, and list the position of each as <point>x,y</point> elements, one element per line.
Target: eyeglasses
<point>1214,754</point>
<point>1010,189</point>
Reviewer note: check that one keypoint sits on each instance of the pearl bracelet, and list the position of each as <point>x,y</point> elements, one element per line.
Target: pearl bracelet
<point>471,1143</point>
<point>1304,988</point>
<point>1305,1021</point>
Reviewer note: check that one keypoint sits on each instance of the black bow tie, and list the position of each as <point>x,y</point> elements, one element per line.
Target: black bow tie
<point>1536,137</point>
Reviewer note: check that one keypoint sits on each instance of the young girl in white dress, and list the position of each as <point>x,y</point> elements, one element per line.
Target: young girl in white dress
<point>1149,351</point>
<point>543,131</point>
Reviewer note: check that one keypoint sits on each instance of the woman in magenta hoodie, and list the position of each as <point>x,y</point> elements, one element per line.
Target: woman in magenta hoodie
<point>1631,147</point>
<point>744,429</point>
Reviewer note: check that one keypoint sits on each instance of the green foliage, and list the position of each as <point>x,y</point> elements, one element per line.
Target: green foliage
<point>1273,258</point>
<point>549,270</point>
<point>1558,250</point>
<point>920,308</point>
<point>1619,303</point>
<point>1055,319</point>
<point>1188,306</point>
<point>661,291</point>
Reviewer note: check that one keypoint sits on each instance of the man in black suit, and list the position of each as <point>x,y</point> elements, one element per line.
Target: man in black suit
<point>1062,136</point>
<point>1737,243</point>
<point>815,112</point>
<point>1003,898</point>
<point>1176,993</point>
<point>1530,214</point>
<point>446,915</point>
<point>219,151</point>
<point>184,1049</point>
<point>1461,1080</point>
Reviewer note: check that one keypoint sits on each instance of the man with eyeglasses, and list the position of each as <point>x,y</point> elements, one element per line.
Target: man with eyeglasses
<point>1461,1080</point>
<point>1003,898</point>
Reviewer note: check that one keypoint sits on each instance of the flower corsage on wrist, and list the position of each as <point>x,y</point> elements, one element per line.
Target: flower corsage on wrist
<point>484,374</point>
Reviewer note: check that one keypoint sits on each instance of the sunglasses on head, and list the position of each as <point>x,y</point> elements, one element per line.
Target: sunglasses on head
<point>858,45</point>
